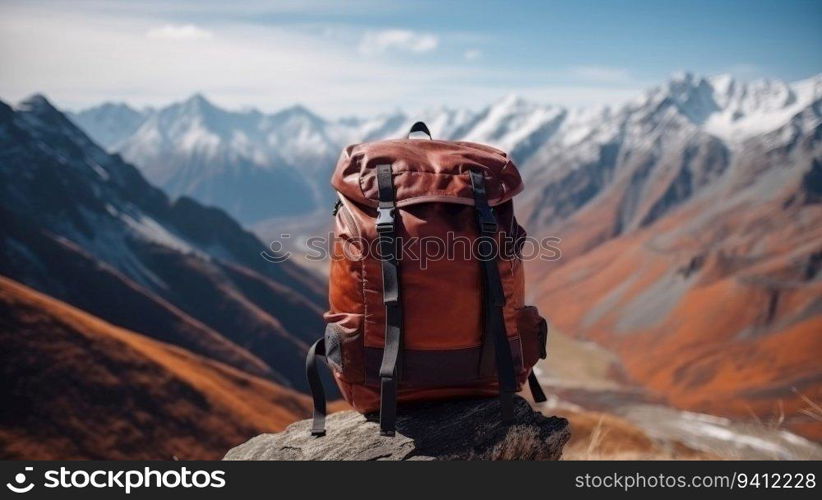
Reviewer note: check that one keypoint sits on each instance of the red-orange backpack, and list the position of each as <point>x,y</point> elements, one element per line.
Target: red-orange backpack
<point>402,328</point>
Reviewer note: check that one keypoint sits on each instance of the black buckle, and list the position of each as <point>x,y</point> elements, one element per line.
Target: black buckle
<point>487,221</point>
<point>385,220</point>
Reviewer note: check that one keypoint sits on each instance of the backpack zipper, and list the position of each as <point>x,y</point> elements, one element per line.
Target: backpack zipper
<point>337,206</point>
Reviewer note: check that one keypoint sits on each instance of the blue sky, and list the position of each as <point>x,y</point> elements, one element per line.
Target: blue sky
<point>363,57</point>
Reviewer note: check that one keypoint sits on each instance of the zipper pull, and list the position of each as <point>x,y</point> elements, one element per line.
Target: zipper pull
<point>337,206</point>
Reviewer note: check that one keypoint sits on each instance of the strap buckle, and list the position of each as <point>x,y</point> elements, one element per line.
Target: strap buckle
<point>487,221</point>
<point>385,220</point>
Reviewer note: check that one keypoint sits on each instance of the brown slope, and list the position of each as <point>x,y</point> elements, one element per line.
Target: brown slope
<point>253,312</point>
<point>78,387</point>
<point>66,272</point>
<point>721,315</point>
<point>85,227</point>
<point>704,277</point>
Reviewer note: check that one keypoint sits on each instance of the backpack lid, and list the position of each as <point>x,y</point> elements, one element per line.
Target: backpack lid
<point>425,171</point>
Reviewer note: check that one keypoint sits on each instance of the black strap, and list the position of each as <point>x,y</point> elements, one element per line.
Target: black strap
<point>495,342</point>
<point>317,350</point>
<point>390,367</point>
<point>536,390</point>
<point>419,127</point>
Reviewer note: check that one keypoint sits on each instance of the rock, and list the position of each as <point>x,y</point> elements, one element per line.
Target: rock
<point>454,430</point>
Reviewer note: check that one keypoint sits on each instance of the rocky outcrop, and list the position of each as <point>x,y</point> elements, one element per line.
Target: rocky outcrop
<point>455,430</point>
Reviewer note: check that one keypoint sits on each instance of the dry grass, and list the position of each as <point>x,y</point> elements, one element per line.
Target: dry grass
<point>82,388</point>
<point>813,410</point>
<point>600,436</point>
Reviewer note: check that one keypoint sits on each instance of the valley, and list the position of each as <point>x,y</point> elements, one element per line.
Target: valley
<point>686,308</point>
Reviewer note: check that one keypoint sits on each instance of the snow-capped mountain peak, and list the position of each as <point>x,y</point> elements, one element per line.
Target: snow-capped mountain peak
<point>85,226</point>
<point>109,124</point>
<point>756,107</point>
<point>197,148</point>
<point>510,121</point>
<point>729,108</point>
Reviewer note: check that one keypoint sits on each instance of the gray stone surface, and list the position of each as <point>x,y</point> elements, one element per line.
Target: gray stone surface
<point>454,430</point>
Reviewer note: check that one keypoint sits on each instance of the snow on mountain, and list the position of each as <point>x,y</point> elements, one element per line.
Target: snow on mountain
<point>245,162</point>
<point>758,107</point>
<point>509,122</point>
<point>192,129</point>
<point>86,227</point>
<point>110,123</point>
<point>196,148</point>
<point>357,129</point>
<point>689,221</point>
<point>299,136</point>
<point>721,107</point>
<point>734,110</point>
<point>443,122</point>
<point>657,152</point>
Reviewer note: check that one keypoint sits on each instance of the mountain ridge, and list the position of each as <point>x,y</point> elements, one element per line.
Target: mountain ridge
<point>107,393</point>
<point>299,147</point>
<point>86,227</point>
<point>688,220</point>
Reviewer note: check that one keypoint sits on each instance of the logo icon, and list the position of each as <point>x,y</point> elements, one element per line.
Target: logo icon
<point>20,478</point>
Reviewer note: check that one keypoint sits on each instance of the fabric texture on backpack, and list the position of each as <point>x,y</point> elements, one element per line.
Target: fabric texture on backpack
<point>443,302</point>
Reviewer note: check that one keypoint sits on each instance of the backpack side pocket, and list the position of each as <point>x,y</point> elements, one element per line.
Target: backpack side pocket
<point>533,333</point>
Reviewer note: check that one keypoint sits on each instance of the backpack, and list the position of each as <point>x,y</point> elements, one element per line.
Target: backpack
<point>402,328</point>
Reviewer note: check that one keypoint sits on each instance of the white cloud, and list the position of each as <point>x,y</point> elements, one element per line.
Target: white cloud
<point>178,32</point>
<point>472,54</point>
<point>601,74</point>
<point>378,42</point>
<point>78,59</point>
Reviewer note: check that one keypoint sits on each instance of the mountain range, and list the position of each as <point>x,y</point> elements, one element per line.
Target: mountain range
<point>134,325</point>
<point>140,324</point>
<point>690,218</point>
<point>692,242</point>
<point>86,228</point>
<point>78,387</point>
<point>259,166</point>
